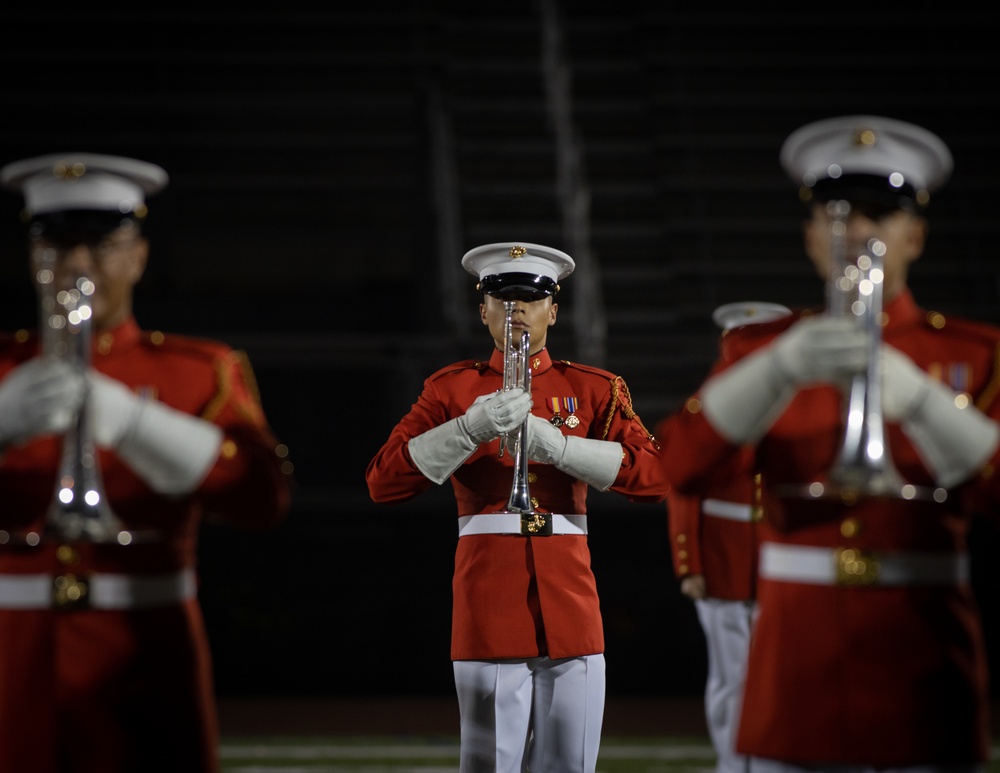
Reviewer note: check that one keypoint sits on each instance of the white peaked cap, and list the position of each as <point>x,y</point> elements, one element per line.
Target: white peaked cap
<point>899,152</point>
<point>518,264</point>
<point>732,315</point>
<point>87,181</point>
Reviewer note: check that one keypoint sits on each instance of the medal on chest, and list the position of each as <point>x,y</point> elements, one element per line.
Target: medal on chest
<point>560,404</point>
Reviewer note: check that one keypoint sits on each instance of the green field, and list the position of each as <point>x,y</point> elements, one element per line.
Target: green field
<point>440,755</point>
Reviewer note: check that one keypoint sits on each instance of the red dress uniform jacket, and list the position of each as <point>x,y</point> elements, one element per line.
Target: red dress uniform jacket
<point>861,672</point>
<point>715,535</point>
<point>125,688</point>
<point>513,596</point>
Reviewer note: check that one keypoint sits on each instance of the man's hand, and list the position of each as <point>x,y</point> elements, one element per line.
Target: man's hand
<point>40,397</point>
<point>693,586</point>
<point>743,401</point>
<point>821,348</point>
<point>492,415</point>
<point>113,409</point>
<point>438,452</point>
<point>546,443</point>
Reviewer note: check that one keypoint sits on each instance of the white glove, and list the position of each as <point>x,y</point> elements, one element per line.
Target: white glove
<point>595,462</point>
<point>440,451</point>
<point>169,449</point>
<point>40,397</point>
<point>492,415</point>
<point>953,437</point>
<point>821,349</point>
<point>744,400</point>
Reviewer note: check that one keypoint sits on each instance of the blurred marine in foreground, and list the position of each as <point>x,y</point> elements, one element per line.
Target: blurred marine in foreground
<point>114,443</point>
<point>875,435</point>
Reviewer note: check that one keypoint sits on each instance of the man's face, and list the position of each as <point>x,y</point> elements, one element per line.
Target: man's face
<point>903,233</point>
<point>535,316</point>
<point>114,262</point>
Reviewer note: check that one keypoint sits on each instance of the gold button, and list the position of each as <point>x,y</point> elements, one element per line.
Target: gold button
<point>228,450</point>
<point>693,405</point>
<point>682,538</point>
<point>156,338</point>
<point>105,342</point>
<point>682,554</point>
<point>850,527</point>
<point>66,555</point>
<point>683,568</point>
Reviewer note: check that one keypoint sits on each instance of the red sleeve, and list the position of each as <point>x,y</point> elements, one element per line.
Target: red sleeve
<point>250,483</point>
<point>684,519</point>
<point>640,478</point>
<point>391,475</point>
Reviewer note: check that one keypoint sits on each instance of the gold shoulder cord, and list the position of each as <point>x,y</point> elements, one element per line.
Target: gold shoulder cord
<point>620,394</point>
<point>990,392</point>
<point>226,387</point>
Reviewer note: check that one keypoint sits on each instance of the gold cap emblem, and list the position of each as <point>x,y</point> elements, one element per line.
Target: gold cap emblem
<point>518,251</point>
<point>864,137</point>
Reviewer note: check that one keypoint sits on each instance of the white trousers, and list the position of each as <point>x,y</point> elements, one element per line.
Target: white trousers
<point>538,715</point>
<point>727,627</point>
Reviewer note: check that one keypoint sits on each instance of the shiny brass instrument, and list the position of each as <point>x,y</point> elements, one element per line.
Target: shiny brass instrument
<point>864,466</point>
<point>517,373</point>
<point>79,509</point>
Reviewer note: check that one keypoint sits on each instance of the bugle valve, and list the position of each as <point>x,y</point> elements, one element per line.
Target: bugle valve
<point>79,509</point>
<point>517,373</point>
<point>863,467</point>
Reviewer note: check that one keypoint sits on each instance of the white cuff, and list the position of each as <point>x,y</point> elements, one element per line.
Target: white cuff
<point>595,462</point>
<point>171,450</point>
<point>440,451</point>
<point>742,402</point>
<point>953,441</point>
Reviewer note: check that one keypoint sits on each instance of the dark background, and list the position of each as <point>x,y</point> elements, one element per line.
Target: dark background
<point>330,167</point>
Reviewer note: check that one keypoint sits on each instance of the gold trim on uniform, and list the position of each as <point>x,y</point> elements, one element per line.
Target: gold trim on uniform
<point>536,525</point>
<point>856,567</point>
<point>70,591</point>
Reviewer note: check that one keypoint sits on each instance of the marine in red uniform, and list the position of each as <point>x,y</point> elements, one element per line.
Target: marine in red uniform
<point>104,660</point>
<point>714,543</point>
<point>527,635</point>
<point>867,651</point>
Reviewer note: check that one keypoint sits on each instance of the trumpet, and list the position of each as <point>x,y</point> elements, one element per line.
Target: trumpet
<point>517,373</point>
<point>79,509</point>
<point>864,466</point>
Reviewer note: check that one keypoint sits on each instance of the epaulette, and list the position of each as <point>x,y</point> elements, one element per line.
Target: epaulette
<point>967,329</point>
<point>456,367</point>
<point>202,348</point>
<point>588,369</point>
